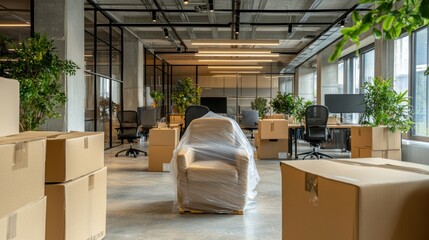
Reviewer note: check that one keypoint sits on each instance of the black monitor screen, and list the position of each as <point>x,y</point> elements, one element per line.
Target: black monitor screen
<point>345,103</point>
<point>215,104</point>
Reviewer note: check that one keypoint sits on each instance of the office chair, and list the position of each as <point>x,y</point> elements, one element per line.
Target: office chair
<point>194,112</point>
<point>250,121</point>
<point>128,130</point>
<point>316,131</point>
<point>147,119</point>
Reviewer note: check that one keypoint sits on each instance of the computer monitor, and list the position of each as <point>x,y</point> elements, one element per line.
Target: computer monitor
<point>215,104</point>
<point>345,103</point>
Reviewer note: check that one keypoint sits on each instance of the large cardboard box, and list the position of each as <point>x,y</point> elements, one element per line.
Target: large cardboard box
<point>355,199</point>
<point>273,129</point>
<point>77,209</point>
<point>22,172</point>
<point>26,223</point>
<point>9,106</point>
<point>272,148</point>
<point>72,155</point>
<point>377,138</point>
<point>177,119</point>
<point>164,136</point>
<point>257,139</point>
<point>160,158</point>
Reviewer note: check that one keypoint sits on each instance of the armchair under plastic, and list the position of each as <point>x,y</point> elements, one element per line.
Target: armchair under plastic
<point>213,168</point>
<point>128,130</point>
<point>194,112</point>
<point>316,131</point>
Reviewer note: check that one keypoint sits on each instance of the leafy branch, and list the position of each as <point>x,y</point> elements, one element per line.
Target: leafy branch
<point>387,20</point>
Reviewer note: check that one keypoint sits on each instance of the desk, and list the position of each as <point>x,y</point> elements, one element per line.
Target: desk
<point>293,133</point>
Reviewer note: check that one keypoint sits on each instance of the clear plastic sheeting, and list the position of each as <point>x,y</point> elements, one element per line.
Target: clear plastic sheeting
<point>213,168</point>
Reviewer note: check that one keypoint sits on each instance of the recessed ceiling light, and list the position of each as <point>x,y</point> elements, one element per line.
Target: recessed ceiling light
<point>229,42</point>
<point>234,67</point>
<point>15,25</point>
<point>235,60</point>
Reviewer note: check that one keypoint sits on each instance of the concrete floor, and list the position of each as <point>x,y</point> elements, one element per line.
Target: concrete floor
<point>139,205</point>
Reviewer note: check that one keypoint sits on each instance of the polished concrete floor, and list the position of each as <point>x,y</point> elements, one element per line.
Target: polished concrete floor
<point>140,203</point>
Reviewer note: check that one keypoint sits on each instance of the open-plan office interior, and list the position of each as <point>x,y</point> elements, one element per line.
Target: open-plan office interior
<point>233,52</point>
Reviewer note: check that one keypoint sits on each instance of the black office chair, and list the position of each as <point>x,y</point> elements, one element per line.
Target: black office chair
<point>316,131</point>
<point>194,112</point>
<point>147,119</point>
<point>128,130</point>
<point>250,121</point>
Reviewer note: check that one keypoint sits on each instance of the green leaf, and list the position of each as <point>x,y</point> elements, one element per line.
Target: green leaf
<point>424,9</point>
<point>388,22</point>
<point>356,16</point>
<point>376,33</point>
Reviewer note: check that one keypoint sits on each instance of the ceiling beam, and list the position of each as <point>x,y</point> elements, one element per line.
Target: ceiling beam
<point>189,24</point>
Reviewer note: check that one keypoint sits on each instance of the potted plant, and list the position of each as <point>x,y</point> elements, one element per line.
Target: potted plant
<point>39,70</point>
<point>283,103</point>
<point>157,97</point>
<point>260,104</point>
<point>300,106</point>
<point>185,93</point>
<point>386,107</point>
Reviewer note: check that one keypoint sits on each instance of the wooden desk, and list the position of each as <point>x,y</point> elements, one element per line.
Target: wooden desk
<point>293,133</point>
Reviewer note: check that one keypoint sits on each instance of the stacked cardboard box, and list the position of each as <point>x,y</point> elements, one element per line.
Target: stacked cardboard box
<point>354,199</point>
<point>272,139</point>
<point>162,142</point>
<point>75,184</point>
<point>22,172</point>
<point>9,106</point>
<point>177,119</point>
<point>375,142</point>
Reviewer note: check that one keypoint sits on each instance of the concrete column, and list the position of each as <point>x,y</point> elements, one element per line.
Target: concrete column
<point>384,58</point>
<point>327,75</point>
<point>133,72</point>
<point>63,20</point>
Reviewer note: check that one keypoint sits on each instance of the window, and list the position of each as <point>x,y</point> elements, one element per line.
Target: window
<point>368,66</point>
<point>421,90</point>
<point>401,64</point>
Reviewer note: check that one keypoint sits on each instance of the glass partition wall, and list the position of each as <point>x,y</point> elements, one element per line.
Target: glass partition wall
<point>103,74</point>
<point>239,89</point>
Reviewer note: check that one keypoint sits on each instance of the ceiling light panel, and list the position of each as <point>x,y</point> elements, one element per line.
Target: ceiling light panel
<point>241,72</point>
<point>235,60</point>
<point>228,42</point>
<point>275,55</point>
<point>235,67</point>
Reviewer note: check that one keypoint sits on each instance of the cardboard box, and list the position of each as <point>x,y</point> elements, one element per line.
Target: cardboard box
<point>389,154</point>
<point>77,209</point>
<point>356,199</point>
<point>377,138</point>
<point>9,106</point>
<point>361,152</point>
<point>368,153</point>
<point>273,149</point>
<point>177,119</point>
<point>273,129</point>
<point>158,156</point>
<point>275,116</point>
<point>26,223</point>
<point>257,138</point>
<point>72,155</point>
<point>22,172</point>
<point>164,136</point>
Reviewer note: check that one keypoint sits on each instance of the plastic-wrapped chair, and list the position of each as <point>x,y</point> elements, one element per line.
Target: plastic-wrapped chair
<point>213,168</point>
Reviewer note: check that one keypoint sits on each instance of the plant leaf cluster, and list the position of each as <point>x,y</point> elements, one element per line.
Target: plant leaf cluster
<point>386,107</point>
<point>157,97</point>
<point>386,20</point>
<point>185,93</point>
<point>38,69</point>
<point>289,104</point>
<point>260,104</point>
